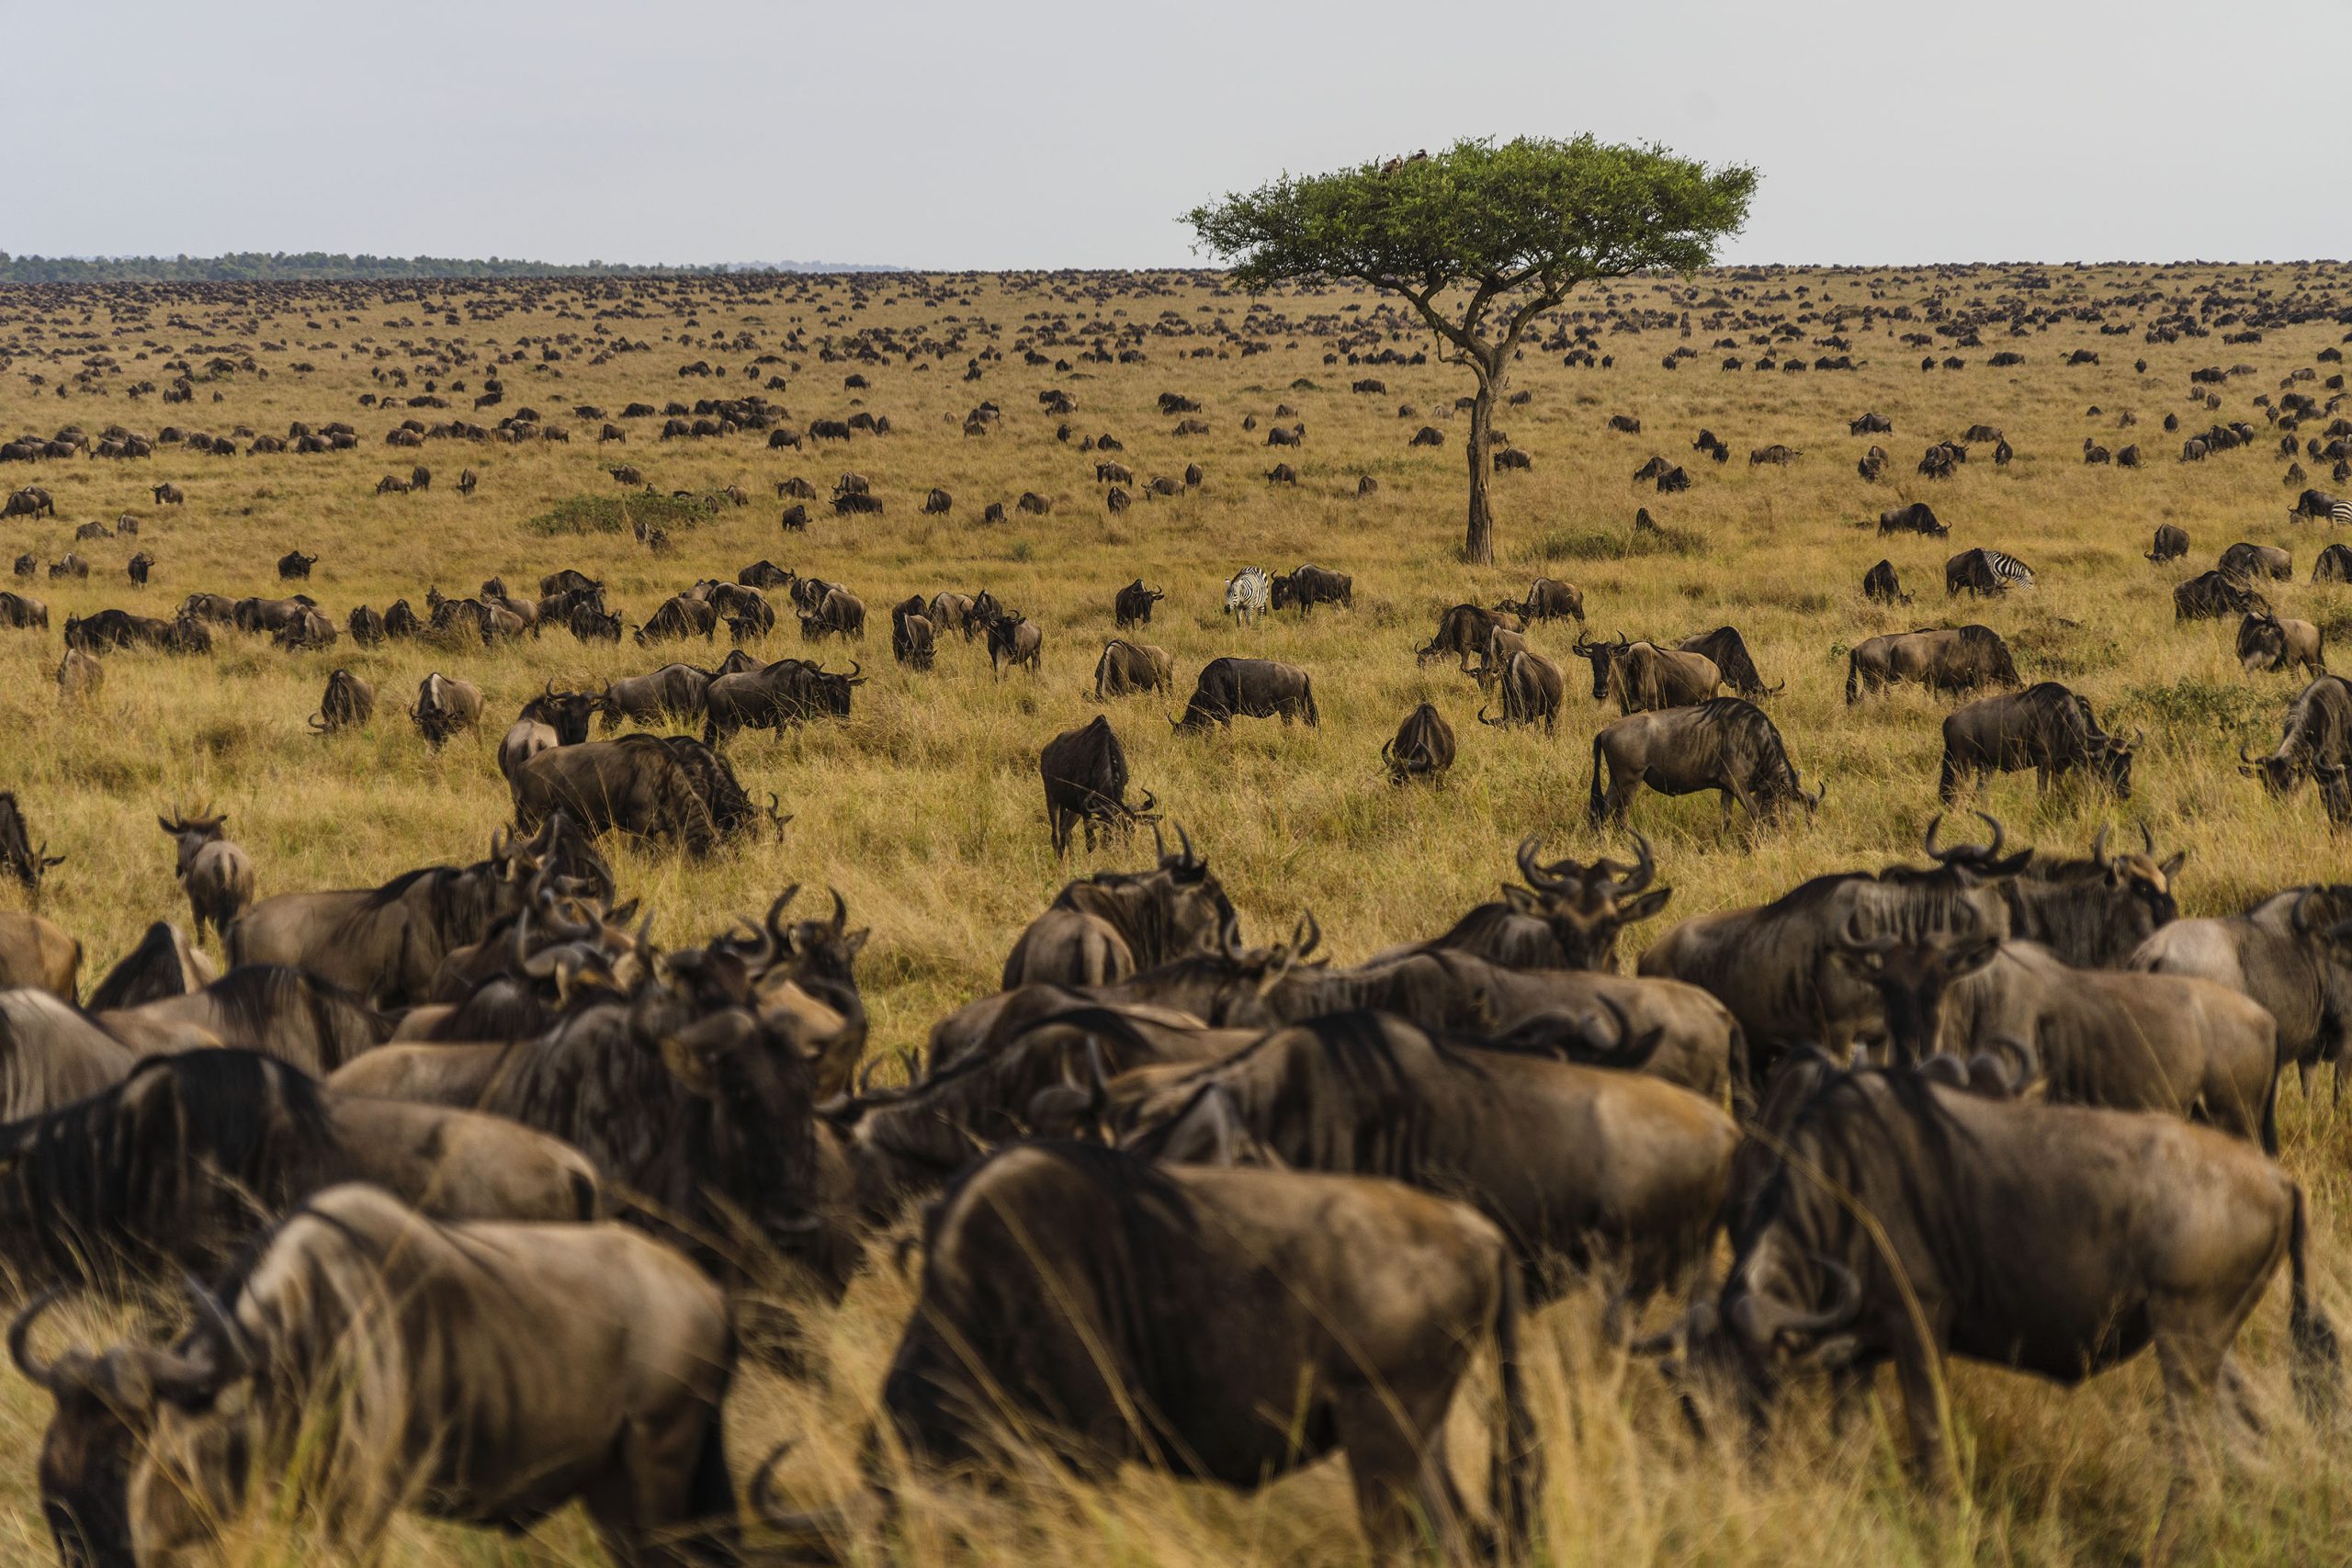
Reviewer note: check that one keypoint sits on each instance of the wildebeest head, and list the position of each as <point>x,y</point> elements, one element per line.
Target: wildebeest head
<point>193,832</point>
<point>18,857</point>
<point>1587,907</point>
<point>1912,975</point>
<point>566,713</point>
<point>1603,658</point>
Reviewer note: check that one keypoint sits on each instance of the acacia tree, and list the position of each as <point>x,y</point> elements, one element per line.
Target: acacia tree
<point>1482,239</point>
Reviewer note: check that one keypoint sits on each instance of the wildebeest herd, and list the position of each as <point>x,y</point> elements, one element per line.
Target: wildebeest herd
<point>471,1187</point>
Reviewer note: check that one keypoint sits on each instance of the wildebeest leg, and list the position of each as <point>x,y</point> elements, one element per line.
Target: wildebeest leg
<point>1920,1373</point>
<point>2189,1370</point>
<point>1396,1444</point>
<point>671,1503</point>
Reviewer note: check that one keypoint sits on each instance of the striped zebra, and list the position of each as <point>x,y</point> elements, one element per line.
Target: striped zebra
<point>1248,594</point>
<point>1985,572</point>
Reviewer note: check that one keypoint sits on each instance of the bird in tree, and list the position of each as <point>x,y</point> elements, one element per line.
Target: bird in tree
<point>1481,238</point>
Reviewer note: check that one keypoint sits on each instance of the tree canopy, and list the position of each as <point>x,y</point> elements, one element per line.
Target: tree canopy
<point>1520,225</point>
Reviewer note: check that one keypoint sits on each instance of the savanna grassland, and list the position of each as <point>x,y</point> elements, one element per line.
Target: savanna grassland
<point>923,808</point>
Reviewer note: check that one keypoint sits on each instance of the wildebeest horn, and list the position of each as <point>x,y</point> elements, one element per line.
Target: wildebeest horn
<point>856,676</point>
<point>776,814</point>
<point>1851,937</point>
<point>1484,719</point>
<point>840,910</point>
<point>1305,935</point>
<point>2147,838</point>
<point>2248,763</point>
<point>776,911</point>
<point>809,1535</point>
<point>1158,842</point>
<point>1229,938</point>
<point>1537,876</point>
<point>21,1332</point>
<point>1644,871</point>
<point>500,837</point>
<point>2098,847</point>
<point>193,1379</point>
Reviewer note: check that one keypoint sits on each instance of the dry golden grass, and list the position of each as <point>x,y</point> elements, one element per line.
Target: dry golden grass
<point>925,810</point>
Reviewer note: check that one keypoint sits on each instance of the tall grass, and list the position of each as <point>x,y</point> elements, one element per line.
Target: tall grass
<point>924,806</point>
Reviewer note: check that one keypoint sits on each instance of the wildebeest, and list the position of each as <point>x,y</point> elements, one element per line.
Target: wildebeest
<point>295,565</point>
<point>2095,912</point>
<point>2269,642</point>
<point>1013,640</point>
<point>1131,668</point>
<point>2045,727</point>
<point>2316,742</point>
<point>1116,924</point>
<point>2288,952</point>
<point>68,566</point>
<point>1132,605</point>
<point>1644,677</point>
<point>1085,775</point>
<point>2333,565</point>
<point>1726,744</point>
<point>30,502</point>
<point>2171,543</point>
<point>2212,594</point>
<point>23,612</point>
<point>1531,688</point>
<point>1881,585</point>
<point>2251,563</point>
<point>1566,916</point>
<point>1548,598</point>
<point>1421,748</point>
<point>1918,517</point>
<point>1981,572</point>
<point>19,858</point>
<point>911,642</point>
<point>1967,1225</point>
<point>372,1360</point>
<point>38,954</point>
<point>79,677</point>
<point>1249,688</point>
<point>790,691</point>
<point>1462,631</point>
<point>1027,1329</point>
<point>1956,658</point>
<point>217,875</point>
<point>674,691</point>
<point>444,706</point>
<point>1248,594</point>
<point>1309,585</point>
<point>680,616</point>
<point>839,612</point>
<point>669,789</point>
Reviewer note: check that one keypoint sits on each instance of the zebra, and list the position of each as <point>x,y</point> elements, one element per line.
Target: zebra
<point>1248,594</point>
<point>1985,572</point>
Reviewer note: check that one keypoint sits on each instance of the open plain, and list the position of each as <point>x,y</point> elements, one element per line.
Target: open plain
<point>922,807</point>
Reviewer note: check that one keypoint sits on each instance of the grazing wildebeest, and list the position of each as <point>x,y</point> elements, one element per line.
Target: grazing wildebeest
<point>1955,659</point>
<point>675,692</point>
<point>2334,565</point>
<point>1132,606</point>
<point>1085,775</point>
<point>669,789</point>
<point>1310,585</point>
<point>2171,543</point>
<point>294,564</point>
<point>1462,631</point>
<point>680,617</point>
<point>1250,688</point>
<point>2253,561</point>
<point>1421,748</point>
<point>911,642</point>
<point>1727,652</point>
<point>2212,594</point>
<point>1881,584</point>
<point>1918,517</point>
<point>1723,743</point>
<point>217,875</point>
<point>30,502</point>
<point>1116,924</point>
<point>1026,1330</point>
<point>481,1372</point>
<point>2315,742</point>
<point>444,706</point>
<point>1531,688</point>
<point>2269,642</point>
<point>790,691</point>
<point>1548,598</point>
<point>2289,953</point>
<point>2055,1239</point>
<point>23,612</point>
<point>1130,668</point>
<point>1981,572</point>
<point>2045,727</point>
<point>839,612</point>
<point>19,858</point>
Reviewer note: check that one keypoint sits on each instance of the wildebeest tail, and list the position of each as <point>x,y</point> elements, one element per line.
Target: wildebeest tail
<point>1312,717</point>
<point>2317,1357</point>
<point>1594,804</point>
<point>1853,674</point>
<point>1516,1470</point>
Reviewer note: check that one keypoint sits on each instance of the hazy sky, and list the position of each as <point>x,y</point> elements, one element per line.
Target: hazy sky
<point>1007,134</point>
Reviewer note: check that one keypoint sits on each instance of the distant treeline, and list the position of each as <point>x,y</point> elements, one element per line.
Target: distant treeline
<point>257,266</point>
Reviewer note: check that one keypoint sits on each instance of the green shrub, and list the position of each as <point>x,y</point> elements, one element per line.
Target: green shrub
<point>619,513</point>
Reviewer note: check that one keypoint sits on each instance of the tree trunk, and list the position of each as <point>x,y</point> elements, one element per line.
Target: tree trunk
<point>1478,543</point>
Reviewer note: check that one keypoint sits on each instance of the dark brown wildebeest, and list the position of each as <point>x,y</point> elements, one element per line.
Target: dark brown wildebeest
<point>1917,518</point>
<point>1726,744</point>
<point>2095,913</point>
<point>2269,642</point>
<point>1963,1228</point>
<point>79,677</point>
<point>675,692</point>
<point>23,612</point>
<point>1727,651</point>
<point>1644,677</point>
<point>911,642</point>
<point>30,502</point>
<point>1981,572</point>
<point>444,706</point>
<point>19,858</point>
<point>838,613</point>
<point>1131,668</point>
<point>1531,688</point>
<point>1464,630</point>
<point>110,630</point>
<point>1310,585</point>
<point>1548,598</point>
<point>217,875</point>
<point>1869,424</point>
<point>2253,563</point>
<point>305,631</point>
<point>1116,924</point>
<point>1567,916</point>
<point>295,565</point>
<point>169,494</point>
<point>790,691</point>
<point>1957,658</point>
<point>1674,482</point>
<point>1640,1184</point>
<point>794,518</point>
<point>1132,607</point>
<point>461,1375</point>
<point>2334,565</point>
<point>2314,742</point>
<point>68,564</point>
<point>681,617</point>
<point>587,624</point>
<point>1421,748</point>
<point>1015,640</point>
<point>348,703</point>
<point>1775,454</point>
<point>1085,775</point>
<point>1250,688</point>
<point>665,789</point>
<point>2289,953</point>
<point>2045,727</point>
<point>953,613</point>
<point>1881,585</point>
<point>1025,1332</point>
<point>2212,594</point>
